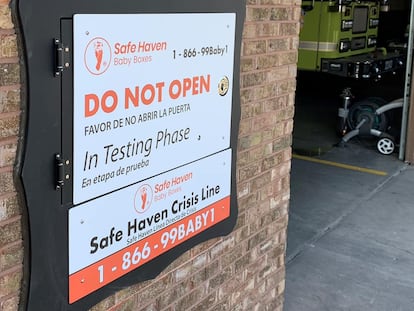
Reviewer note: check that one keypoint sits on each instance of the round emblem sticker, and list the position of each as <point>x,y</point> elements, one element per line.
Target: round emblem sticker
<point>223,86</point>
<point>97,56</point>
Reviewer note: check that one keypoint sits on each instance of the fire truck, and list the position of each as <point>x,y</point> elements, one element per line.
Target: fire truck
<point>340,37</point>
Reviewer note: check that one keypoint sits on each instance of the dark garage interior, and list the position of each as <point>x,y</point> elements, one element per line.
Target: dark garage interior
<point>349,242</point>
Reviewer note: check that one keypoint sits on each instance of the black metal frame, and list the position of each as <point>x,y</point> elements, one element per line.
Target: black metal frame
<point>48,132</point>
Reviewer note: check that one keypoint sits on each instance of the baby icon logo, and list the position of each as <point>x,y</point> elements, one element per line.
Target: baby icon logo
<point>98,56</point>
<point>143,199</point>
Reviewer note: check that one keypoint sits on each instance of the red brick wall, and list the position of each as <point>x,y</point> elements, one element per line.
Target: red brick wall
<point>243,271</point>
<point>11,246</point>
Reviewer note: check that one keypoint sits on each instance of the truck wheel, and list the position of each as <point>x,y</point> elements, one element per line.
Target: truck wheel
<point>385,145</point>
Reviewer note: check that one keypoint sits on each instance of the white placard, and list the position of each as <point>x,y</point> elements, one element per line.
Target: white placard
<point>151,92</point>
<point>101,227</point>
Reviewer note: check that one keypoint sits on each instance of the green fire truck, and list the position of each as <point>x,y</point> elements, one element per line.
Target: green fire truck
<point>340,37</point>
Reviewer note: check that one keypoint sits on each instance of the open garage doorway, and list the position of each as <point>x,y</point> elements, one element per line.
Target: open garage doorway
<point>339,85</point>
<point>342,246</point>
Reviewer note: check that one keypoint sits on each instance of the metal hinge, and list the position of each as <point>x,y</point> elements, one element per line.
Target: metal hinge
<point>60,171</point>
<point>61,57</point>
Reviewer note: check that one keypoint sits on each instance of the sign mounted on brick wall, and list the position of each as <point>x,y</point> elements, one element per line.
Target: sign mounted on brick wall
<point>131,140</point>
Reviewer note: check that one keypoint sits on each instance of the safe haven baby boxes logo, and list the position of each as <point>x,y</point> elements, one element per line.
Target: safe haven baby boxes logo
<point>143,199</point>
<point>99,54</point>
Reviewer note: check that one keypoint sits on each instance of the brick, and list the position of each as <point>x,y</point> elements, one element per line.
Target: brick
<point>282,143</point>
<point>199,276</point>
<point>250,141</point>
<point>243,191</point>
<point>274,305</point>
<point>105,304</point>
<point>288,58</point>
<point>10,283</point>
<point>231,285</point>
<point>11,256</point>
<point>173,294</point>
<point>271,2</point>
<point>5,16</point>
<point>198,249</point>
<point>247,201</point>
<point>243,159</point>
<point>260,152</point>
<point>247,64</point>
<point>127,305</point>
<point>231,257</point>
<point>152,291</point>
<point>276,104</point>
<point>223,305</point>
<point>257,14</point>
<point>9,127</point>
<point>252,79</point>
<point>263,121</point>
<point>268,29</point>
<point>219,279</point>
<point>252,110</point>
<point>9,207</point>
<point>241,263</point>
<point>212,269</point>
<point>6,182</point>
<point>249,172</point>
<point>7,154</point>
<point>226,245</point>
<point>10,232</point>
<point>179,261</point>
<point>8,46</point>
<point>268,61</point>
<point>10,303</point>
<point>9,101</point>
<point>279,73</point>
<point>252,271</point>
<point>245,127</point>
<point>150,307</point>
<point>257,239</point>
<point>276,45</point>
<point>281,14</point>
<point>9,74</point>
<point>270,162</point>
<point>262,30</point>
<point>200,261</point>
<point>206,303</point>
<point>254,47</point>
<point>189,300</point>
<point>289,29</point>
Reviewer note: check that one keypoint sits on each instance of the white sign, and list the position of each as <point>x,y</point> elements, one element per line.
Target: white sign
<point>152,92</point>
<point>114,234</point>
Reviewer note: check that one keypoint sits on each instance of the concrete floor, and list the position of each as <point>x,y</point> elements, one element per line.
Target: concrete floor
<point>350,232</point>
